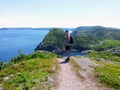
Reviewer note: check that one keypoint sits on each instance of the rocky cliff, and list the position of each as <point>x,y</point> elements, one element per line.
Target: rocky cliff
<point>53,41</point>
<point>85,38</point>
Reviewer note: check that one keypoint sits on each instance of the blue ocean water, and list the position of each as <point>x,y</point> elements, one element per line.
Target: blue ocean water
<point>11,41</point>
<point>25,40</point>
<point>74,53</point>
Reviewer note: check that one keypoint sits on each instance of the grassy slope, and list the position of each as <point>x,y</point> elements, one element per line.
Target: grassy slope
<point>105,55</point>
<point>97,38</point>
<point>30,73</point>
<point>107,73</point>
<point>33,71</point>
<point>107,44</point>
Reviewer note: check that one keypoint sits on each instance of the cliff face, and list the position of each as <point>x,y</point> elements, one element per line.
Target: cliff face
<point>53,41</point>
<point>85,38</point>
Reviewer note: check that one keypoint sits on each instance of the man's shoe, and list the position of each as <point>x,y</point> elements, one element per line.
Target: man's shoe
<point>67,59</point>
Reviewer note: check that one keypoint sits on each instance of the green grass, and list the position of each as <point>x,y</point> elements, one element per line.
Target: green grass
<point>23,57</point>
<point>105,55</point>
<point>29,73</point>
<point>109,74</point>
<point>107,44</point>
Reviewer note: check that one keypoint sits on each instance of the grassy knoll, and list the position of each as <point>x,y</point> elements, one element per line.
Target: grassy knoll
<point>27,72</point>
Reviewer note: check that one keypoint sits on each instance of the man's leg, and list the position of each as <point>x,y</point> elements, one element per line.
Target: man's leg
<point>68,54</point>
<point>67,48</point>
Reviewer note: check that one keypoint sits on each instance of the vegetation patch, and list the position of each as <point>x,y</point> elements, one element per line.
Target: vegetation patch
<point>23,57</point>
<point>107,44</point>
<point>30,73</point>
<point>108,74</point>
<point>105,55</point>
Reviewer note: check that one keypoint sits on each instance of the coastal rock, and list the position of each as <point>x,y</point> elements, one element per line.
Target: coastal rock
<point>85,38</point>
<point>53,41</point>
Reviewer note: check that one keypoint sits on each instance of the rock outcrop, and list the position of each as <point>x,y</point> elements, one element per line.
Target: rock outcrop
<point>53,41</point>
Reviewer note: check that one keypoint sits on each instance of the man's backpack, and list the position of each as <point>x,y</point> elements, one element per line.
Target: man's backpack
<point>71,39</point>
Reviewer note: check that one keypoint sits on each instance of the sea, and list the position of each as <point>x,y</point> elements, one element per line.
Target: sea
<point>15,41</point>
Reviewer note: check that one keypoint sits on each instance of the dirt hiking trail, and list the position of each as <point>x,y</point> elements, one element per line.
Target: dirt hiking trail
<point>68,80</point>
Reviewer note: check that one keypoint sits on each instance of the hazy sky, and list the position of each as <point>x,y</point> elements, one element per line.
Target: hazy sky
<point>59,13</point>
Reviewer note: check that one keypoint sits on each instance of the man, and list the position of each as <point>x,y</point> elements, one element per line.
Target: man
<point>67,45</point>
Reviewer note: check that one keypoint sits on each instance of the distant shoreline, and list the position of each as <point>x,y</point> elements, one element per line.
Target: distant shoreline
<point>49,28</point>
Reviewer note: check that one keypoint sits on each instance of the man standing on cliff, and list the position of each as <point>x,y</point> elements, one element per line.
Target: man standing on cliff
<point>67,45</point>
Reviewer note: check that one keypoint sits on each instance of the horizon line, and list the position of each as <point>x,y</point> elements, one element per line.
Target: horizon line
<point>61,27</point>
